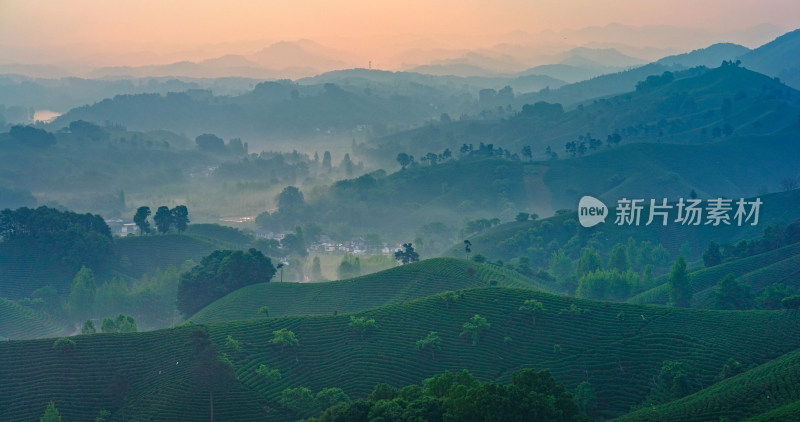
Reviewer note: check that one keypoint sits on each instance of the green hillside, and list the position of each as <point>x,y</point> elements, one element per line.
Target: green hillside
<point>396,285</point>
<point>618,348</point>
<point>539,239</point>
<point>770,392</point>
<point>683,107</point>
<point>19,322</point>
<point>144,254</point>
<point>758,270</point>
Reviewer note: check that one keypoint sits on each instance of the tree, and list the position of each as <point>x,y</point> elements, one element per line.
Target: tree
<point>290,201</point>
<point>121,324</point>
<point>532,307</point>
<point>326,161</point>
<point>163,219</point>
<point>474,327</point>
<point>347,164</point>
<point>264,310</point>
<point>350,267</point>
<point>210,143</point>
<point>219,274</point>
<point>88,327</point>
<point>731,294</point>
<point>212,373</point>
<point>104,416</point>
<point>791,302</point>
<point>64,345</point>
<point>51,413</point>
<point>772,295</point>
<point>81,294</point>
<point>404,159</point>
<point>299,399</point>
<point>407,255</point>
<point>712,255</point>
<point>680,293</point>
<point>140,218</point>
<point>269,374</point>
<point>316,269</point>
<point>618,258</point>
<point>361,325</point>
<point>294,244</point>
<point>523,216</point>
<point>589,261</point>
<point>432,342</point>
<point>674,380</point>
<point>527,152</point>
<point>467,247</point>
<point>285,338</point>
<point>32,137</point>
<point>586,398</point>
<point>329,397</point>
<point>562,269</point>
<point>180,217</point>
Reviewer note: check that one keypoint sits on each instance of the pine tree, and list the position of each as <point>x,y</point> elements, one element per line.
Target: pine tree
<point>51,414</point>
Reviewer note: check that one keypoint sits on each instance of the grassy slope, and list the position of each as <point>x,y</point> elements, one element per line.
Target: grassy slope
<point>144,254</point>
<point>778,208</point>
<point>768,392</point>
<point>786,271</point>
<point>757,270</point>
<point>18,322</point>
<point>387,287</point>
<point>618,356</point>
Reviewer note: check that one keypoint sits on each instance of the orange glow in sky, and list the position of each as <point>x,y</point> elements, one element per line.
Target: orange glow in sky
<point>355,26</point>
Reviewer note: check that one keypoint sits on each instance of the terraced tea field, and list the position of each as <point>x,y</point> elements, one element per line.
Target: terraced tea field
<point>617,347</point>
<point>387,287</point>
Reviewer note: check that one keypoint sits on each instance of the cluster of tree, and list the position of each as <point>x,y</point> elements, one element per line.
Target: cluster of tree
<point>218,274</point>
<point>531,396</point>
<point>465,151</point>
<point>150,300</point>
<point>303,402</point>
<point>350,267</point>
<point>733,294</point>
<point>674,380</point>
<point>271,166</point>
<point>474,227</point>
<point>121,324</point>
<point>278,108</point>
<point>585,143</point>
<point>628,269</point>
<point>64,239</point>
<point>392,203</point>
<point>774,237</point>
<point>29,136</point>
<point>164,219</point>
<point>407,254</point>
<point>209,142</point>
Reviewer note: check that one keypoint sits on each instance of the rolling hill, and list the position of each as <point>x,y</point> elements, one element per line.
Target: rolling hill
<point>396,285</point>
<point>767,393</point>
<point>618,348</point>
<point>515,239</point>
<point>18,322</point>
<point>681,107</point>
<point>758,271</point>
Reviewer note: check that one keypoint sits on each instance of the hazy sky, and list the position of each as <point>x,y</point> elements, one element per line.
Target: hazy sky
<point>165,26</point>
